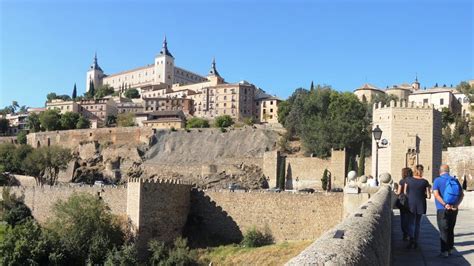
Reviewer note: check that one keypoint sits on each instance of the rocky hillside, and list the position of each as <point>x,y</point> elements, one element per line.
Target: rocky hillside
<point>209,145</point>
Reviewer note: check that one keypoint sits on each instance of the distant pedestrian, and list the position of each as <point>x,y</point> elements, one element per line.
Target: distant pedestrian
<point>371,181</point>
<point>402,202</point>
<point>448,195</point>
<point>417,190</point>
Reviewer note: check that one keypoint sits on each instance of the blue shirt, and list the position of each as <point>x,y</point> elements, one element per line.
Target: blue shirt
<point>440,184</point>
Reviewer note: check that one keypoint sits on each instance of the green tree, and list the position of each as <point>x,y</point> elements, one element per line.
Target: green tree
<point>74,92</point>
<point>361,166</point>
<point>111,120</point>
<point>69,120</point>
<point>447,117</point>
<point>7,157</point>
<point>325,179</point>
<point>4,124</point>
<point>223,121</point>
<point>181,254</point>
<point>25,244</point>
<point>197,122</point>
<point>91,93</point>
<point>50,120</point>
<point>132,94</point>
<point>254,238</point>
<point>51,96</point>
<point>104,90</point>
<point>21,137</point>
<point>44,163</point>
<point>467,89</point>
<point>12,209</point>
<point>34,123</point>
<point>83,122</point>
<point>86,228</point>
<point>126,120</point>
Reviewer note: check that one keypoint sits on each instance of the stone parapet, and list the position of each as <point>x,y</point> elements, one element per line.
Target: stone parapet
<point>366,238</point>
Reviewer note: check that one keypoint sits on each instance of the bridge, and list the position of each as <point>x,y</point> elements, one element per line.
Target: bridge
<point>371,235</point>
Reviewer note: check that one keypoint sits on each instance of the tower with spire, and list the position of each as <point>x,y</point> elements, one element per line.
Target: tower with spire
<point>94,74</point>
<point>416,85</point>
<point>164,66</point>
<point>214,74</point>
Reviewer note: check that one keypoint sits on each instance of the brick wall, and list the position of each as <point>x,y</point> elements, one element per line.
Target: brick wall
<point>218,217</point>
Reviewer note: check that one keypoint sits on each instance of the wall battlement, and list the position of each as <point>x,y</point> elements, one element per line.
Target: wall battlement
<point>403,104</point>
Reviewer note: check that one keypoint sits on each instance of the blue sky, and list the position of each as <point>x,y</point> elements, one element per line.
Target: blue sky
<point>47,46</point>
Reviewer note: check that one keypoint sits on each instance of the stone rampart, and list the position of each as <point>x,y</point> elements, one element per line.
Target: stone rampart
<point>158,209</point>
<point>224,216</point>
<point>72,138</point>
<point>308,170</point>
<point>42,199</point>
<point>366,237</point>
<point>460,160</point>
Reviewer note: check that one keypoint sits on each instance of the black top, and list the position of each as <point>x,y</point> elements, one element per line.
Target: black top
<point>416,193</point>
<point>402,184</point>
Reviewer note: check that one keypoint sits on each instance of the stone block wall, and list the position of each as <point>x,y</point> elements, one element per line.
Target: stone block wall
<point>460,160</point>
<point>72,138</point>
<point>366,239</point>
<point>224,216</point>
<point>308,170</point>
<point>157,209</point>
<point>408,127</point>
<point>42,199</point>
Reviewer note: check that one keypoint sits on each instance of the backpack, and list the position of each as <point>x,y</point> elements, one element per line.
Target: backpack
<point>452,191</point>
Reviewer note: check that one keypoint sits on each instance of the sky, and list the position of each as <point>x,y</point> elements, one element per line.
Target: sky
<point>47,46</point>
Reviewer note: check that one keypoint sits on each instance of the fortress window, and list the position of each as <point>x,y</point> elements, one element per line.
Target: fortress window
<point>441,101</point>
<point>425,101</point>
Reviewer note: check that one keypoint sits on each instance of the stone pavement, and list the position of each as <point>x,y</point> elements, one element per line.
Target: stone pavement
<point>428,246</point>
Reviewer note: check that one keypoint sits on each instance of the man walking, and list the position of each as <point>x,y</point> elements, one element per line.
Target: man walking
<point>448,195</point>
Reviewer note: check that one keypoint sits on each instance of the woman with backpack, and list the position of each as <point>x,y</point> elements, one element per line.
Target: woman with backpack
<point>402,202</point>
<point>417,190</point>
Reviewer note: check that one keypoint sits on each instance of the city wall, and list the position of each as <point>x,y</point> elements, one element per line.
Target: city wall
<point>366,237</point>
<point>460,160</point>
<point>11,140</point>
<point>302,172</point>
<point>72,138</point>
<point>42,199</point>
<point>225,216</point>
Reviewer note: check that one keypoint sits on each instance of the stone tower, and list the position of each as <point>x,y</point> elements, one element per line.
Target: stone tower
<point>415,85</point>
<point>214,74</point>
<point>414,137</point>
<point>94,74</point>
<point>164,66</point>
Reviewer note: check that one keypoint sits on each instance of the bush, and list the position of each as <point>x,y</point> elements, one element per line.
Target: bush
<point>325,180</point>
<point>249,121</point>
<point>86,229</point>
<point>25,244</point>
<point>178,254</point>
<point>125,256</point>
<point>223,130</point>
<point>255,238</point>
<point>13,210</point>
<point>21,137</point>
<point>126,120</point>
<point>223,121</point>
<point>197,122</point>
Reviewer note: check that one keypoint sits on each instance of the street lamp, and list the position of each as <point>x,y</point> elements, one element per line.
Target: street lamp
<point>377,132</point>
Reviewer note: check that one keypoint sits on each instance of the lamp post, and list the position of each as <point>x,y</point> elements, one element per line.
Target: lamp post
<point>377,132</point>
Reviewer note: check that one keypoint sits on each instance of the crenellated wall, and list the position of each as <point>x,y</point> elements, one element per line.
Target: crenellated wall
<point>413,133</point>
<point>158,209</point>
